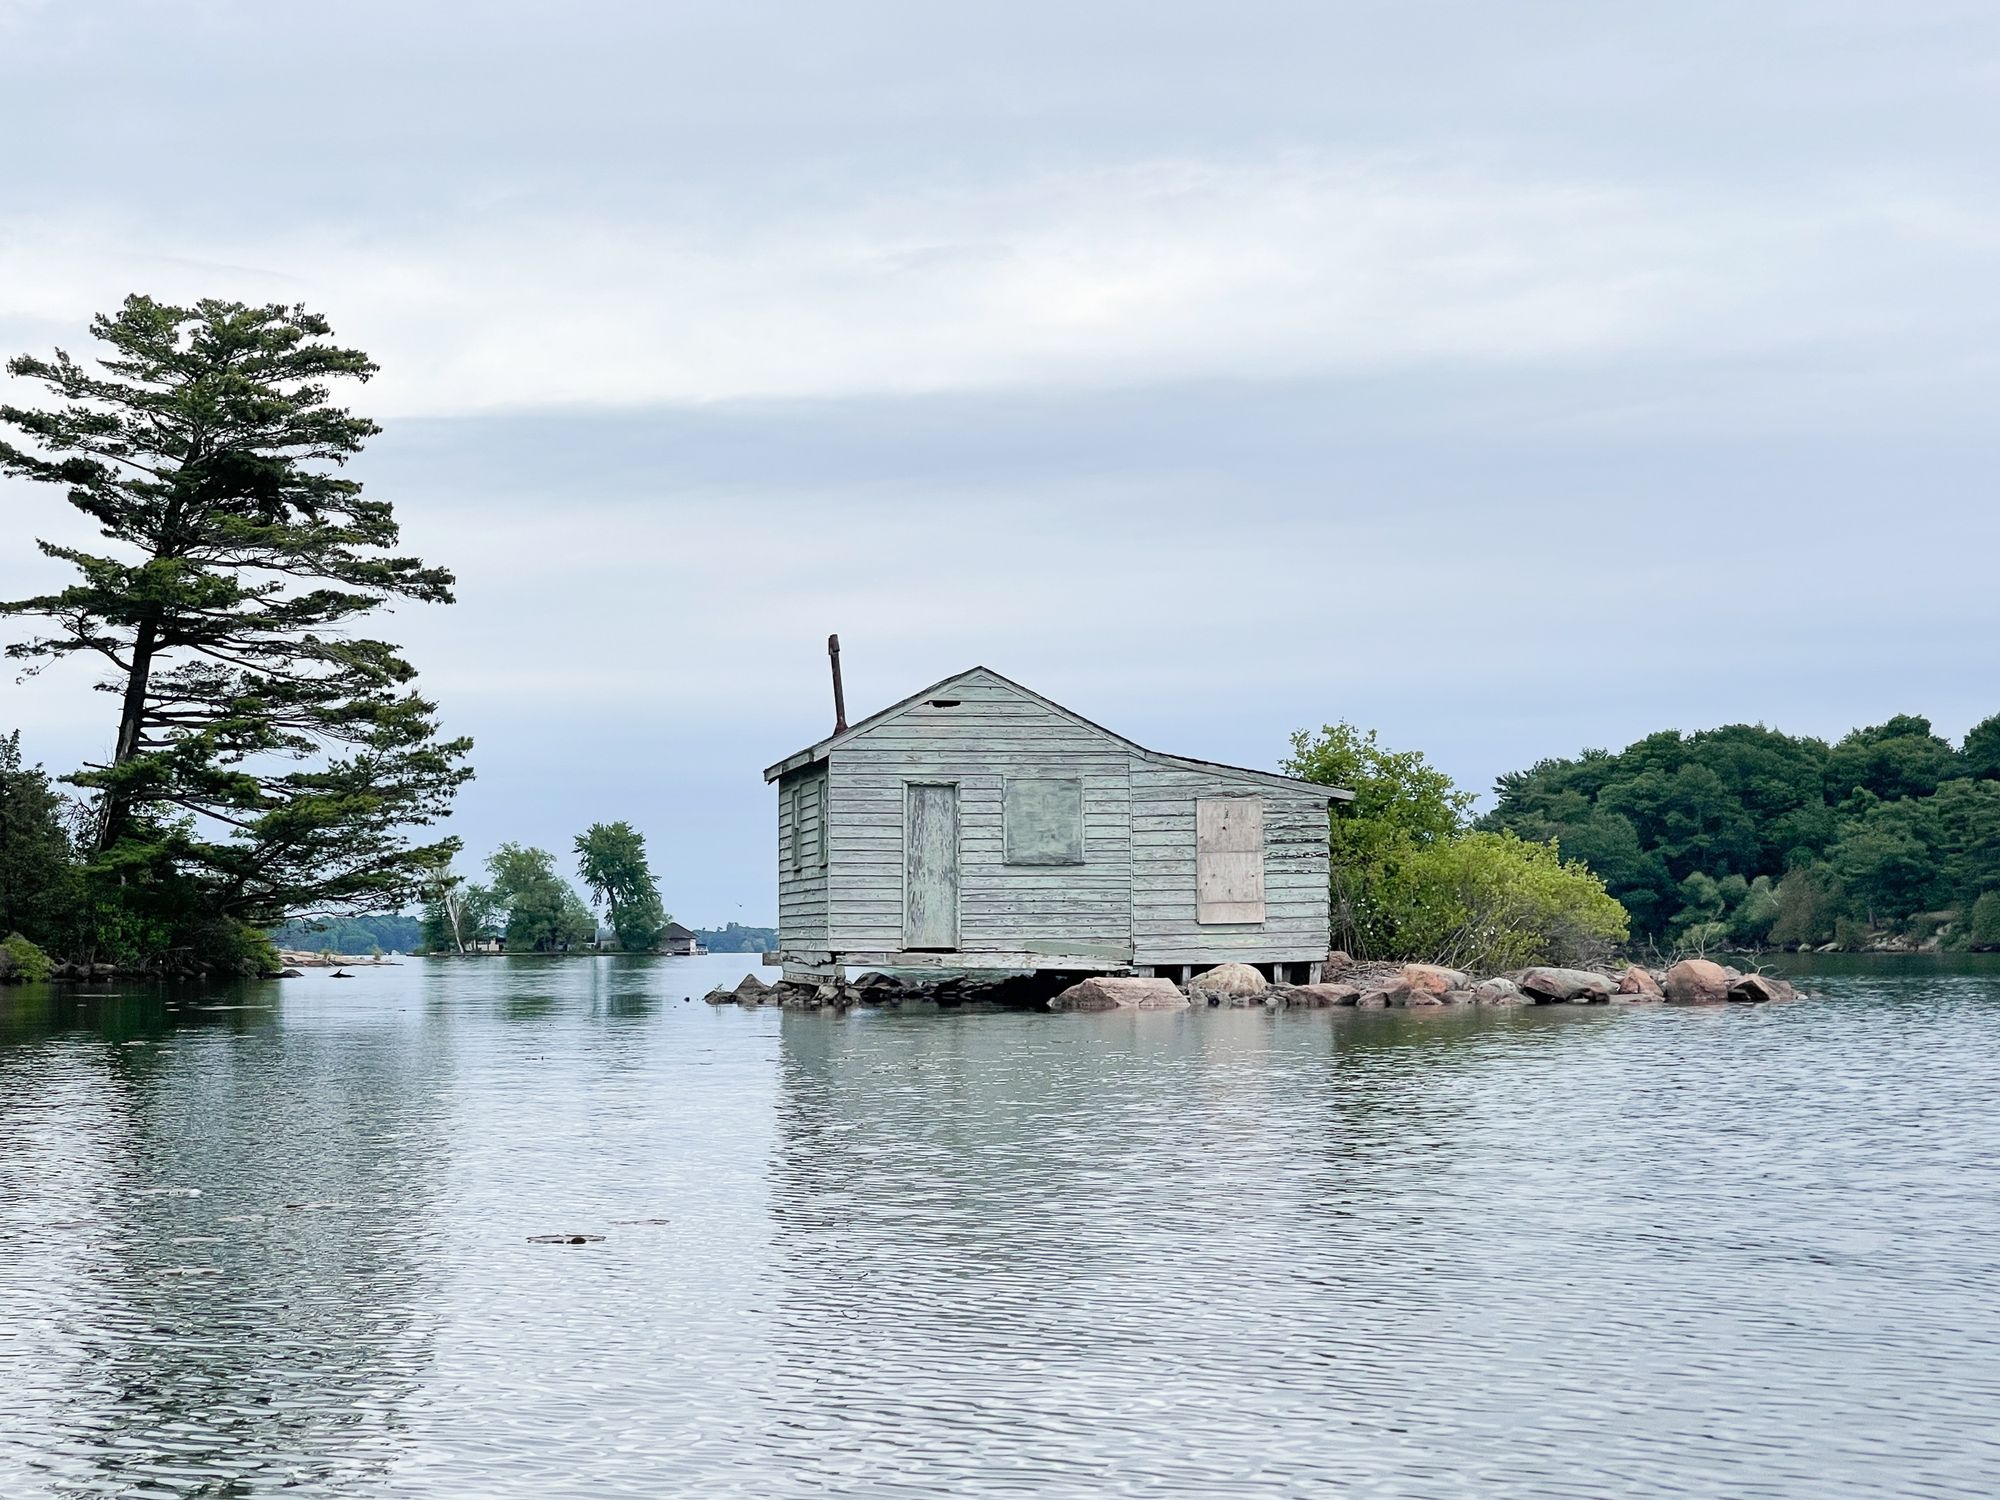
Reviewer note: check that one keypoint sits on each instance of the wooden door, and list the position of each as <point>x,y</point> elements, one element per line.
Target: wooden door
<point>930,867</point>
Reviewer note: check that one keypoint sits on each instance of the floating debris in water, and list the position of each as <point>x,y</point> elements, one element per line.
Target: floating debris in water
<point>190,1270</point>
<point>564,1239</point>
<point>642,1221</point>
<point>162,1192</point>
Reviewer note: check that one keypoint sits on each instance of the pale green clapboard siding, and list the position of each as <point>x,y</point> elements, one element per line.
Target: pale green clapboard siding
<point>802,893</point>
<point>993,733</point>
<point>1164,929</point>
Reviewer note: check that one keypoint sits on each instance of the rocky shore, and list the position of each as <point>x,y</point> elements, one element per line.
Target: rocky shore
<point>1363,986</point>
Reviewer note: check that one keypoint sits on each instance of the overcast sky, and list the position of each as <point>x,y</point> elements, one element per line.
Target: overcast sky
<point>1510,378</point>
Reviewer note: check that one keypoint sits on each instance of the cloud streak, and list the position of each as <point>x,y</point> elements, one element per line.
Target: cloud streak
<point>1157,271</point>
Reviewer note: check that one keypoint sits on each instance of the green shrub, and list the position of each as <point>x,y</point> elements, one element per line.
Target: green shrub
<point>1852,933</point>
<point>1492,901</point>
<point>1807,899</point>
<point>28,961</point>
<point>1984,928</point>
<point>1756,914</point>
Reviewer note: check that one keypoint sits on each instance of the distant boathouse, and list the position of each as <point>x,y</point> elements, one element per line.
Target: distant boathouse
<point>977,824</point>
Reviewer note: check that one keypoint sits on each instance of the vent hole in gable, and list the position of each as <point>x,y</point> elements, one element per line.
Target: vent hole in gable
<point>944,702</point>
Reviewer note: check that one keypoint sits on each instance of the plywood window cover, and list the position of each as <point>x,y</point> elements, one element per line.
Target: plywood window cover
<point>1229,861</point>
<point>1033,835</point>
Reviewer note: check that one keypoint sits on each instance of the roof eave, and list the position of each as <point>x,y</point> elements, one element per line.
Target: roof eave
<point>809,756</point>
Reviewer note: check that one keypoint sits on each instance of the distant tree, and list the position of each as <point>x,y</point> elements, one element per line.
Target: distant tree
<point>1980,754</point>
<point>1897,758</point>
<point>40,887</point>
<point>1887,861</point>
<point>611,859</point>
<point>1809,899</point>
<point>457,913</point>
<point>1962,824</point>
<point>1756,914</point>
<point>267,761</point>
<point>1983,928</point>
<point>542,912</point>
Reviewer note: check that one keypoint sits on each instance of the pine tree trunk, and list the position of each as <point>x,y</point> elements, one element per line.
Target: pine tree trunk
<point>131,719</point>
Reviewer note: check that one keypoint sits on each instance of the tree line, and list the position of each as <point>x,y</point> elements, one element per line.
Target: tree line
<point>527,904</point>
<point>1748,836</point>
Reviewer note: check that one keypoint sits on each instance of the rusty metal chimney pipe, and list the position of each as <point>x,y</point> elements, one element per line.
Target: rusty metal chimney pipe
<point>839,696</point>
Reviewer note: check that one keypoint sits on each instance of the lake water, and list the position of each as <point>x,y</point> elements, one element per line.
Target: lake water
<point>279,1240</point>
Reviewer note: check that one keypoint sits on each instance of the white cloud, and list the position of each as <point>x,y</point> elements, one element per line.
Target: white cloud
<point>1156,271</point>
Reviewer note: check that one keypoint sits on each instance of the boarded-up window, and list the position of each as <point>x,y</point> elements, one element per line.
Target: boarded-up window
<point>823,820</point>
<point>1229,859</point>
<point>1044,818</point>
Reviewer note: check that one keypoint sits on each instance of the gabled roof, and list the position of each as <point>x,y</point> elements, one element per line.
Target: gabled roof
<point>815,753</point>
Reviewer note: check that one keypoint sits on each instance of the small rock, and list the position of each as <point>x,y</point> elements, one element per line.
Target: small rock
<point>1105,992</point>
<point>1697,981</point>
<point>1412,997</point>
<point>1638,981</point>
<point>1434,978</point>
<point>1229,984</point>
<point>1373,1000</point>
<point>720,996</point>
<point>1566,986</point>
<point>1457,997</point>
<point>1502,992</point>
<point>564,1239</point>
<point>1761,989</point>
<point>290,974</point>
<point>1334,964</point>
<point>1315,996</point>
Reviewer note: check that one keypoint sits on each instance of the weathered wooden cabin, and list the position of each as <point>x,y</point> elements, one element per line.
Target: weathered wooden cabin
<point>977,824</point>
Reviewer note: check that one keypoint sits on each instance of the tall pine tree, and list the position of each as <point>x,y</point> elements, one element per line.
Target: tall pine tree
<point>266,762</point>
